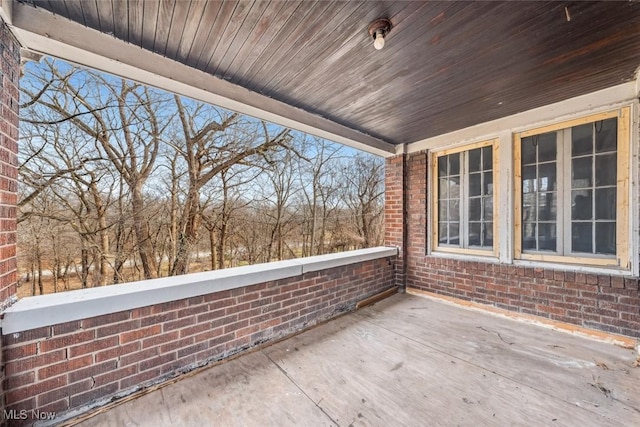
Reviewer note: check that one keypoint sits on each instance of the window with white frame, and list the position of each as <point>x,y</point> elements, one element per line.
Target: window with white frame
<point>571,191</point>
<point>464,197</point>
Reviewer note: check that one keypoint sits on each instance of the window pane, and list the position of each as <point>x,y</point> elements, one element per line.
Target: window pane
<point>454,233</point>
<point>547,176</point>
<point>546,237</point>
<point>442,211</point>
<point>474,233</point>
<point>582,139</point>
<point>529,207</point>
<point>475,184</point>
<point>528,151</point>
<point>529,179</point>
<point>487,203</point>
<point>454,164</point>
<point>606,203</point>
<point>475,161</point>
<point>487,158</point>
<point>606,169</point>
<point>474,209</point>
<point>488,234</point>
<point>546,147</point>
<point>443,188</point>
<point>454,187</point>
<point>581,237</point>
<point>547,207</point>
<point>529,235</point>
<point>606,135</point>
<point>581,171</point>
<point>488,183</point>
<point>606,238</point>
<point>454,210</point>
<point>443,236</point>
<point>442,165</point>
<point>582,205</point>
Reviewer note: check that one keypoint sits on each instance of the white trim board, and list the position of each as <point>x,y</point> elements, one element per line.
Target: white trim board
<point>46,310</point>
<point>43,32</point>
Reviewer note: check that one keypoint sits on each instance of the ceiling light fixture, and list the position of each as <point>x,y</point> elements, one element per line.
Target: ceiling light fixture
<point>378,30</point>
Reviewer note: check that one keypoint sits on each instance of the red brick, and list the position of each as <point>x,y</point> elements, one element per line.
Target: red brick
<point>106,319</point>
<point>17,395</point>
<point>116,375</point>
<point>67,340</point>
<point>93,346</point>
<point>160,339</point>
<point>139,334</point>
<point>34,362</point>
<point>92,371</point>
<point>64,367</point>
<point>112,353</point>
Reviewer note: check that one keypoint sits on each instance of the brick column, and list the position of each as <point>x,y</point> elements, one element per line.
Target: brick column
<point>416,213</point>
<point>9,82</point>
<point>395,214</point>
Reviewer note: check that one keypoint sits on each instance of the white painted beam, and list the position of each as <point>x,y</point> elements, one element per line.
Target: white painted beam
<point>41,31</point>
<point>6,10</point>
<point>601,100</point>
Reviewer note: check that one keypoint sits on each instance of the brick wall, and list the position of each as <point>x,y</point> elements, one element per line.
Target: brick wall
<point>70,365</point>
<point>9,81</point>
<point>9,96</point>
<point>599,301</point>
<point>394,214</point>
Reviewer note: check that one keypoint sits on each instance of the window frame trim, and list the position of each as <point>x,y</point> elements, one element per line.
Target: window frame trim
<point>621,258</point>
<point>435,155</point>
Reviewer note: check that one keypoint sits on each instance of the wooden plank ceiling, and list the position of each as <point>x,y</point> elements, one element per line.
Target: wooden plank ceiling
<point>445,65</point>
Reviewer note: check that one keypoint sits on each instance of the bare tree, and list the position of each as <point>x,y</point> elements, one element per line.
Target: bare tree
<point>212,143</point>
<point>364,177</point>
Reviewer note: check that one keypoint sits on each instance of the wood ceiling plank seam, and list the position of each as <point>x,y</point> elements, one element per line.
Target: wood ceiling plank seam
<point>319,50</point>
<point>350,45</point>
<point>362,77</point>
<point>165,16</point>
<point>231,31</point>
<point>297,38</point>
<point>179,21</point>
<point>149,22</point>
<point>136,22</point>
<point>253,33</point>
<point>259,69</point>
<point>257,40</point>
<point>210,15</point>
<point>90,13</point>
<point>95,3</point>
<point>156,21</point>
<point>106,16</point>
<point>74,11</point>
<point>261,54</point>
<point>188,35</point>
<point>217,29</point>
<point>301,55</point>
<point>58,7</point>
<point>120,13</point>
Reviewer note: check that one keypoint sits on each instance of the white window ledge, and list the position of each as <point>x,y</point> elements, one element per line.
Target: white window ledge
<point>45,310</point>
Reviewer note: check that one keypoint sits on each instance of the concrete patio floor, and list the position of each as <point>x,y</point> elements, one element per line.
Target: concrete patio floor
<point>408,360</point>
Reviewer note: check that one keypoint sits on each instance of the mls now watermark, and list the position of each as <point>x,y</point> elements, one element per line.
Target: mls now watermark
<point>24,414</point>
